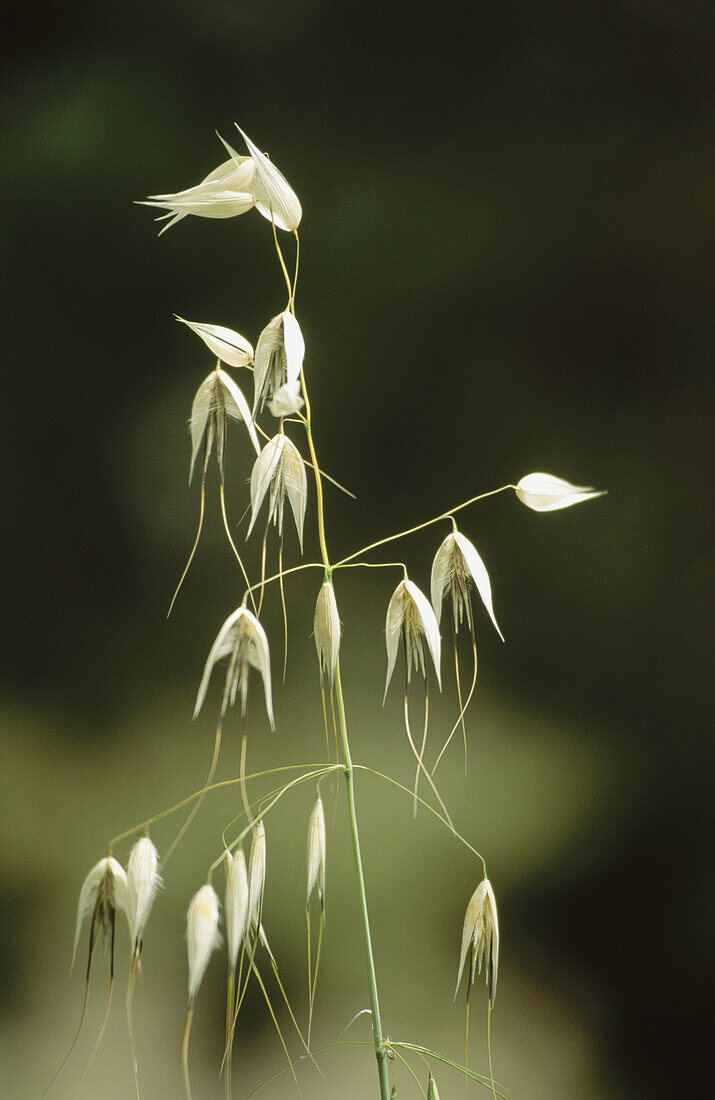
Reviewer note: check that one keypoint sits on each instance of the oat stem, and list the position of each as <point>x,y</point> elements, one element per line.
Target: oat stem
<point>380,1052</point>
<point>378,1039</point>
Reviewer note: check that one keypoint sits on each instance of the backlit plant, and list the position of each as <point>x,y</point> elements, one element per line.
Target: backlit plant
<point>278,421</point>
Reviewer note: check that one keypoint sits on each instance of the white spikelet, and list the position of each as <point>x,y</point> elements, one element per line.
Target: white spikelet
<point>326,631</point>
<point>224,193</point>
<point>244,641</point>
<point>455,564</point>
<point>143,881</point>
<point>280,469</point>
<point>274,196</point>
<point>410,617</point>
<point>546,493</point>
<point>279,358</point>
<point>256,876</point>
<point>202,935</point>
<point>217,398</point>
<point>287,400</point>
<point>235,904</point>
<point>316,853</point>
<point>480,937</point>
<point>228,346</point>
<point>103,892</point>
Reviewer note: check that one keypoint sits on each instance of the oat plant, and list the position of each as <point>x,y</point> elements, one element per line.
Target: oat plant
<point>278,421</point>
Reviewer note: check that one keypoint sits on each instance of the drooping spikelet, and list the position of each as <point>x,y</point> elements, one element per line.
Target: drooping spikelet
<point>316,853</point>
<point>202,935</point>
<point>280,468</point>
<point>480,937</point>
<point>244,641</point>
<point>256,876</point>
<point>326,631</point>
<point>279,358</point>
<point>235,903</point>
<point>457,565</point>
<point>217,398</point>
<point>143,881</point>
<point>103,892</point>
<point>410,617</point>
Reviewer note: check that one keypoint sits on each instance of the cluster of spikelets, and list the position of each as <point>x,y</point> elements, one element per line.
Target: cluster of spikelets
<point>412,623</point>
<point>236,186</point>
<point>108,888</point>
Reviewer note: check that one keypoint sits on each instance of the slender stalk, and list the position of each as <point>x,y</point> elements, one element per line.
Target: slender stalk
<point>380,1052</point>
<point>378,1039</point>
<point>421,526</point>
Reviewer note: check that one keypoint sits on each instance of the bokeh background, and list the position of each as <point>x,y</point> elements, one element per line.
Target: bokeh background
<point>504,270</point>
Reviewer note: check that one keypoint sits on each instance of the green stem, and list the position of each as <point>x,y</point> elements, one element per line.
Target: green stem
<point>378,1039</point>
<point>380,1052</point>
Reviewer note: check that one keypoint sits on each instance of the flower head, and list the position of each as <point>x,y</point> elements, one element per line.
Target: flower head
<point>235,903</point>
<point>410,617</point>
<point>202,935</point>
<point>279,358</point>
<point>326,630</point>
<point>243,640</point>
<point>456,566</point>
<point>103,892</point>
<point>316,853</point>
<point>217,398</point>
<point>546,493</point>
<point>280,468</point>
<point>480,936</point>
<point>143,881</point>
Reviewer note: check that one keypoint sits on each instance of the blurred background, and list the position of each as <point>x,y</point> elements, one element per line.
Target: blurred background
<point>506,223</point>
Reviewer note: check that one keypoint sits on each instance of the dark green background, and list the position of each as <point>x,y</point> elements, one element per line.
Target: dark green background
<point>506,227</point>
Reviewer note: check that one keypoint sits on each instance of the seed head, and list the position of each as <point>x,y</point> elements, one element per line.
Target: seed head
<point>410,617</point>
<point>457,565</point>
<point>103,892</point>
<point>316,853</point>
<point>243,640</point>
<point>228,346</point>
<point>280,468</point>
<point>279,358</point>
<point>432,1092</point>
<point>326,631</point>
<point>256,876</point>
<point>202,935</point>
<point>546,493</point>
<point>143,881</point>
<point>287,401</point>
<point>480,936</point>
<point>274,197</point>
<point>224,193</point>
<point>217,397</point>
<point>235,903</point>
